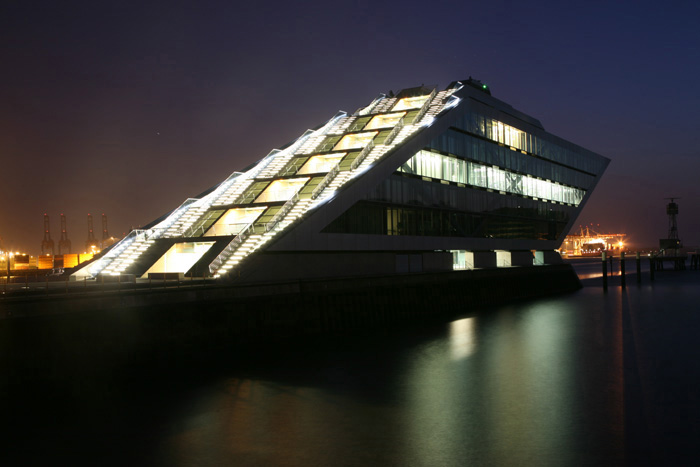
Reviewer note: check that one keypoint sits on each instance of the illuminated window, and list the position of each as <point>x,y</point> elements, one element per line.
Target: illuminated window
<point>234,221</point>
<point>411,103</point>
<point>355,141</point>
<point>384,121</point>
<point>438,166</point>
<point>180,257</point>
<point>321,164</point>
<point>281,190</point>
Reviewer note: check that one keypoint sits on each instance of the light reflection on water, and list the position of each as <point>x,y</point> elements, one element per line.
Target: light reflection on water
<point>592,268</point>
<point>462,337</point>
<point>535,383</point>
<point>530,384</point>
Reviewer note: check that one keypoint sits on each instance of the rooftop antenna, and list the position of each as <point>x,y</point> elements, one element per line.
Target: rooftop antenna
<point>47,243</point>
<point>64,245</point>
<point>91,243</point>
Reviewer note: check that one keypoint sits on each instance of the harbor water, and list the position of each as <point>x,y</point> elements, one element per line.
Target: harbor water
<point>589,378</point>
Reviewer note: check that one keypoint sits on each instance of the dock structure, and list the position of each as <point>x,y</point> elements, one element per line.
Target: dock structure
<point>589,242</point>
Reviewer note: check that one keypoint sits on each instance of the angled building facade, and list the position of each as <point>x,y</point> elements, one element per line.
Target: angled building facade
<point>421,181</point>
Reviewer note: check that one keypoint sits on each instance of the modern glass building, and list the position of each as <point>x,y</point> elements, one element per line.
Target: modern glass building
<point>420,181</point>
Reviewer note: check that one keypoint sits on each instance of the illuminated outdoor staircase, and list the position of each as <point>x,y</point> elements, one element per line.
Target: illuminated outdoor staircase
<point>190,216</point>
<point>246,243</point>
<point>140,244</point>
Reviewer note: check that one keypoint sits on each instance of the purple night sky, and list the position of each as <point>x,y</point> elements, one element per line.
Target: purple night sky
<point>129,109</point>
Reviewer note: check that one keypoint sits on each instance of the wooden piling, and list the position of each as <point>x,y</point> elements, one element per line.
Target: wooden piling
<point>639,268</point>
<point>605,272</point>
<point>612,270</point>
<point>652,266</point>
<point>623,282</point>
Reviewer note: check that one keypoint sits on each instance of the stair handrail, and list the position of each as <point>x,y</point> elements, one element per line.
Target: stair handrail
<point>231,247</point>
<point>390,137</point>
<point>121,246</point>
<point>360,157</point>
<point>282,212</point>
<point>326,180</point>
<point>425,107</point>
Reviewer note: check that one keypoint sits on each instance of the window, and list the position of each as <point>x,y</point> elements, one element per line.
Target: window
<point>435,165</point>
<point>234,221</point>
<point>355,141</point>
<point>411,103</point>
<point>281,190</point>
<point>321,164</point>
<point>180,257</point>
<point>384,121</point>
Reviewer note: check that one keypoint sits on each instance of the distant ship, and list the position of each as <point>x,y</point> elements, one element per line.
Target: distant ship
<point>588,242</point>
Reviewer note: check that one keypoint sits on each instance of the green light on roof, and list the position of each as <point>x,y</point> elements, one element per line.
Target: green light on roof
<point>484,86</point>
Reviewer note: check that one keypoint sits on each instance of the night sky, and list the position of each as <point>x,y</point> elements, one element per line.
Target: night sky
<point>129,109</point>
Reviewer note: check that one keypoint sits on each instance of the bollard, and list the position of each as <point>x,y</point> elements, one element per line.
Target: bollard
<point>605,272</point>
<point>652,266</point>
<point>639,269</point>
<point>623,282</point>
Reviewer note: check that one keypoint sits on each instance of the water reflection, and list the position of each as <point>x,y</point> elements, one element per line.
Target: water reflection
<point>517,399</point>
<point>532,384</point>
<point>537,383</point>
<point>462,337</point>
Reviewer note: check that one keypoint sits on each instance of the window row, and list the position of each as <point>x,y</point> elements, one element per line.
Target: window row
<point>407,191</point>
<point>434,165</point>
<point>379,219</point>
<point>470,147</point>
<point>495,130</point>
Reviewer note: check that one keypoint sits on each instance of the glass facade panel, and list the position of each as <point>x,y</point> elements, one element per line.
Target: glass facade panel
<point>234,221</point>
<point>359,124</point>
<point>293,166</point>
<point>411,103</point>
<point>355,141</point>
<point>309,188</point>
<point>180,257</point>
<point>499,132</point>
<point>259,225</point>
<point>384,121</point>
<point>321,164</point>
<point>281,190</point>
<point>366,217</point>
<point>435,165</point>
<point>251,193</point>
<point>201,226</point>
